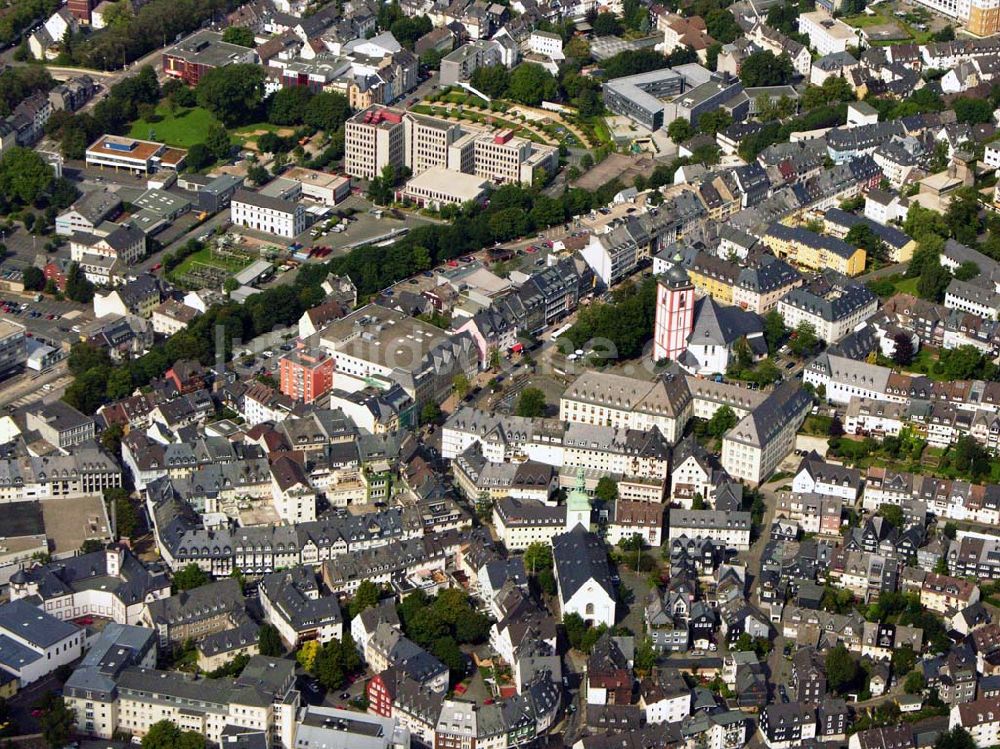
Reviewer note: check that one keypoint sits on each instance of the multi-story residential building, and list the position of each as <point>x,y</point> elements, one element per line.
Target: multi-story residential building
<point>172,317</point>
<point>833,480</point>
<point>87,692</point>
<point>306,374</point>
<point>460,64</point>
<point>787,724</point>
<point>732,529</point>
<point>665,697</point>
<point>271,215</point>
<point>980,17</point>
<point>204,50</point>
<point>520,523</point>
<point>291,601</point>
<point>945,594</point>
<point>262,698</point>
<point>613,254</point>
<point>60,424</point>
<point>814,251</point>
<point>293,495</point>
<point>760,287</point>
<point>713,276</point>
<point>124,244</point>
<point>833,311</point>
<point>981,718</point>
<point>977,296</point>
<point>827,34</point>
<point>191,614</point>
<point>753,448</point>
<point>900,246</point>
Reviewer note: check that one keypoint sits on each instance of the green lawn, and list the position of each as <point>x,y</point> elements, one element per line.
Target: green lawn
<point>908,286</point>
<point>183,129</point>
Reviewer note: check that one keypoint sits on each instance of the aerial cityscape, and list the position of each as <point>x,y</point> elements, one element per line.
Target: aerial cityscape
<point>500,374</point>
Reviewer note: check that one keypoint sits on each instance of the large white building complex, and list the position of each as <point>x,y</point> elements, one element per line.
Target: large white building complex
<point>272,215</point>
<point>379,137</point>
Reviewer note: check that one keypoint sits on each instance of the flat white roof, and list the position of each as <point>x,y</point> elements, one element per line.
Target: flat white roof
<point>456,184</point>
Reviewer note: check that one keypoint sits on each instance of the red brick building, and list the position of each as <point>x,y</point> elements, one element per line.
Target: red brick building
<point>203,51</point>
<point>306,374</point>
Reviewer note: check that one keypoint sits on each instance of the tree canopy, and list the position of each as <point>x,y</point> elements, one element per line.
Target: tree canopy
<point>233,93</point>
<point>765,68</point>
<point>164,734</point>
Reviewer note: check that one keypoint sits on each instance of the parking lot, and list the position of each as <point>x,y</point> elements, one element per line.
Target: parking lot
<point>363,227</point>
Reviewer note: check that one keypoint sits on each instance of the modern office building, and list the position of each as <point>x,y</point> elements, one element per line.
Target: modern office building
<point>640,97</point>
<point>134,155</point>
<point>373,140</point>
<point>380,137</point>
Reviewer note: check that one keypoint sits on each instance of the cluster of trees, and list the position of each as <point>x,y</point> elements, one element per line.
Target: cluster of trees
<point>18,83</point>
<point>765,68</point>
<point>442,623</point>
<point>531,403</point>
<point>528,83</point>
<point>332,662</point>
<point>165,734</point>
<point>24,177</point>
<point>721,24</point>
<point>382,188</point>
<point>626,322</point>
<point>299,106</point>
<point>579,635</point>
<point>514,211</point>
<point>239,35</point>
<point>129,36</point>
<point>113,114</point>
<point>21,15</point>
<point>538,564</point>
<point>367,595</point>
<point>126,517</point>
<point>404,28</point>
<point>269,641</point>
<point>97,380</point>
<point>189,577</point>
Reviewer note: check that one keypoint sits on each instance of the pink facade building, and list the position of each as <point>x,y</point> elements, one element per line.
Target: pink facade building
<point>674,314</point>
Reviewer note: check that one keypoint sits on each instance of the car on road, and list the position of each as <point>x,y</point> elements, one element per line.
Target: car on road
<point>345,695</point>
<point>156,267</point>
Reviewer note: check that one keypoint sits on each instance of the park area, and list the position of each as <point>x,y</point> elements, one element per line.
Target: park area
<point>184,127</point>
